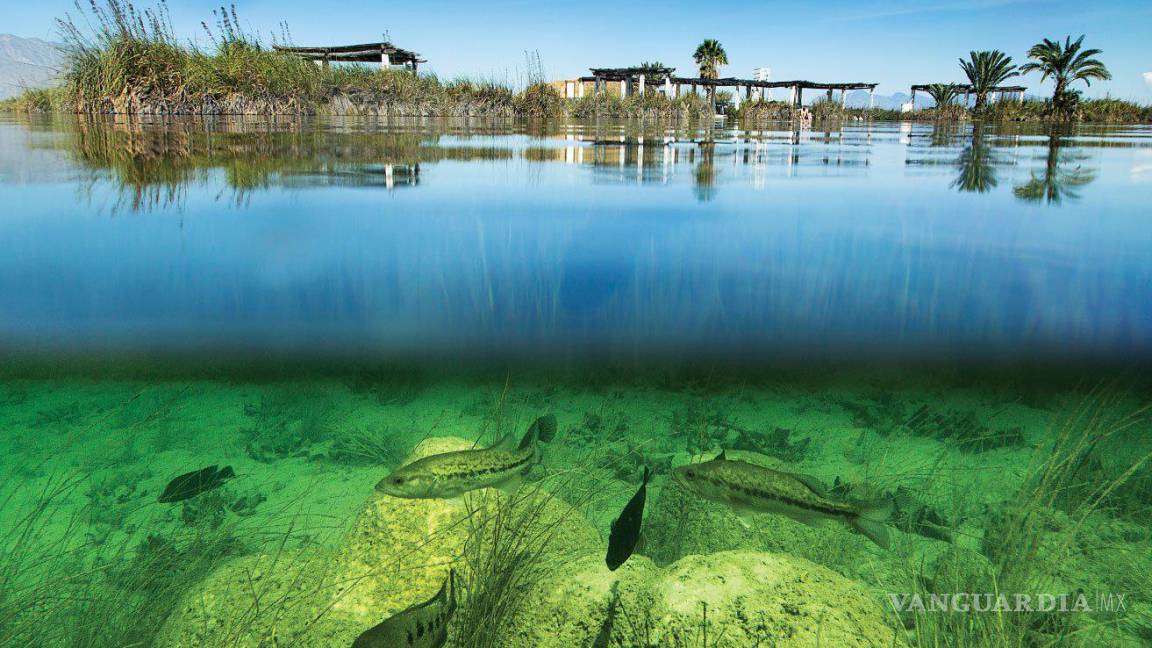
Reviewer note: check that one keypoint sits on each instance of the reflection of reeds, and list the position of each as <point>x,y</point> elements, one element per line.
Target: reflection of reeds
<point>153,165</point>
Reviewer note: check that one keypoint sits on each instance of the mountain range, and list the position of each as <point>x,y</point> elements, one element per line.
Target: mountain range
<point>27,63</point>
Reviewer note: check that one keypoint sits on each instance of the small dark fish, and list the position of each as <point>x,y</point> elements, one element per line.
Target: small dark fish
<point>191,484</point>
<point>626,529</point>
<point>424,625</point>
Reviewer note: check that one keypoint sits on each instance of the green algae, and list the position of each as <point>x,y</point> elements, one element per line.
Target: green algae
<point>1061,508</point>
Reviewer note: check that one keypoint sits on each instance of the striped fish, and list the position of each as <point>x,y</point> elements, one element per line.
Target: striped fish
<point>747,488</point>
<point>424,625</point>
<point>451,474</point>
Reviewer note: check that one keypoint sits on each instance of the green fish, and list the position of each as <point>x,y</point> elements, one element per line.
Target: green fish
<point>747,488</point>
<point>451,474</point>
<point>424,625</point>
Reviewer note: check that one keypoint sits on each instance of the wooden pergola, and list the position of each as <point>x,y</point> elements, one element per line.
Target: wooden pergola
<point>1015,92</point>
<point>639,78</point>
<point>386,54</point>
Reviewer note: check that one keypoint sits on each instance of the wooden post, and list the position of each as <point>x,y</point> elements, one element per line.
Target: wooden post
<point>385,60</point>
<point>871,98</point>
<point>667,86</point>
<point>623,88</point>
<point>580,88</point>
<point>843,97</point>
<point>829,95</point>
<point>799,96</point>
<point>913,102</point>
<point>414,67</point>
<point>641,88</point>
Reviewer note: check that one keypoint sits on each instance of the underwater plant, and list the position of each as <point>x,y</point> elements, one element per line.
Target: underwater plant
<point>288,423</point>
<point>369,446</point>
<point>504,556</point>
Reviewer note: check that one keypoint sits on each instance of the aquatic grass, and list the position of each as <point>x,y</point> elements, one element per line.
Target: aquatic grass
<point>60,586</point>
<point>1028,543</point>
<point>505,556</point>
<point>370,445</point>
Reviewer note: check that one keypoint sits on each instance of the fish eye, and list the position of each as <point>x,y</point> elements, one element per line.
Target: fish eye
<point>397,480</point>
<point>690,474</point>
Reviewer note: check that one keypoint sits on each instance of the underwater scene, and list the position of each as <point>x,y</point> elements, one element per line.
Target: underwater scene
<point>344,382</point>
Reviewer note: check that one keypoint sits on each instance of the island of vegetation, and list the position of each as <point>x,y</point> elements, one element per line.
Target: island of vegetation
<point>124,60</point>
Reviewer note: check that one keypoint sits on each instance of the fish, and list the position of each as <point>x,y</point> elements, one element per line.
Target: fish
<point>750,488</point>
<point>625,534</point>
<point>451,474</point>
<point>424,625</point>
<point>191,484</point>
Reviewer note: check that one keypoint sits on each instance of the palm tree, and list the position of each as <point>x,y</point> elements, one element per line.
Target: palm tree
<point>710,55</point>
<point>1066,63</point>
<point>986,70</point>
<point>943,93</point>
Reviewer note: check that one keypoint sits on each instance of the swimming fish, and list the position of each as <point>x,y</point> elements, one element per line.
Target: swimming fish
<point>750,488</point>
<point>424,625</point>
<point>451,474</point>
<point>626,529</point>
<point>191,484</point>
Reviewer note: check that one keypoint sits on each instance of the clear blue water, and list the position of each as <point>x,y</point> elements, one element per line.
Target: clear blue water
<point>866,240</point>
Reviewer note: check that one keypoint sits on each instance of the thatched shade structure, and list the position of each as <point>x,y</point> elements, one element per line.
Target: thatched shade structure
<point>386,54</point>
<point>1012,92</point>
<point>641,77</point>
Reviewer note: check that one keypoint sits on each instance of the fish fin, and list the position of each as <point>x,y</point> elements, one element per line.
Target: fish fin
<point>723,456</point>
<point>510,486</point>
<point>872,521</point>
<point>506,442</point>
<point>813,484</point>
<point>546,427</point>
<point>744,515</point>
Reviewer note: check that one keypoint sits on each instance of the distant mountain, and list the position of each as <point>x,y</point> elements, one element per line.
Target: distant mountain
<point>27,63</point>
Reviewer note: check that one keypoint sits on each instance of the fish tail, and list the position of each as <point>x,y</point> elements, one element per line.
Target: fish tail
<point>543,429</point>
<point>872,521</point>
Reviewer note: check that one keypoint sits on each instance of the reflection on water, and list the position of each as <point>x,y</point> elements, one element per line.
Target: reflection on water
<point>977,164</point>
<point>867,239</point>
<point>1062,176</point>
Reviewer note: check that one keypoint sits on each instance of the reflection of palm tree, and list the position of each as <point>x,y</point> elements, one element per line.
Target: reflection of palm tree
<point>977,165</point>
<point>706,172</point>
<point>1058,180</point>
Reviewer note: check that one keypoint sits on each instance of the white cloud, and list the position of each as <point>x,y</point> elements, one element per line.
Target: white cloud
<point>1148,78</point>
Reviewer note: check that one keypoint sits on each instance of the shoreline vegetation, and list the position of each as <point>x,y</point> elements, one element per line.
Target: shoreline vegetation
<point>128,61</point>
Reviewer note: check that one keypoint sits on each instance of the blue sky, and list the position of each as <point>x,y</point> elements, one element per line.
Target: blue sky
<point>893,43</point>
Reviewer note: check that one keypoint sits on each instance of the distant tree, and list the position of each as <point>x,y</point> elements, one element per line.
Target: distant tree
<point>1066,63</point>
<point>943,93</point>
<point>709,56</point>
<point>986,70</point>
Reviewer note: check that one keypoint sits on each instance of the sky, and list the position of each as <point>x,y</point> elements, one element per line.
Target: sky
<point>894,44</point>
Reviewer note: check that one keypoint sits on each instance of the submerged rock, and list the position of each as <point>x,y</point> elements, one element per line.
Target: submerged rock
<point>398,553</point>
<point>732,598</point>
<point>747,598</point>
